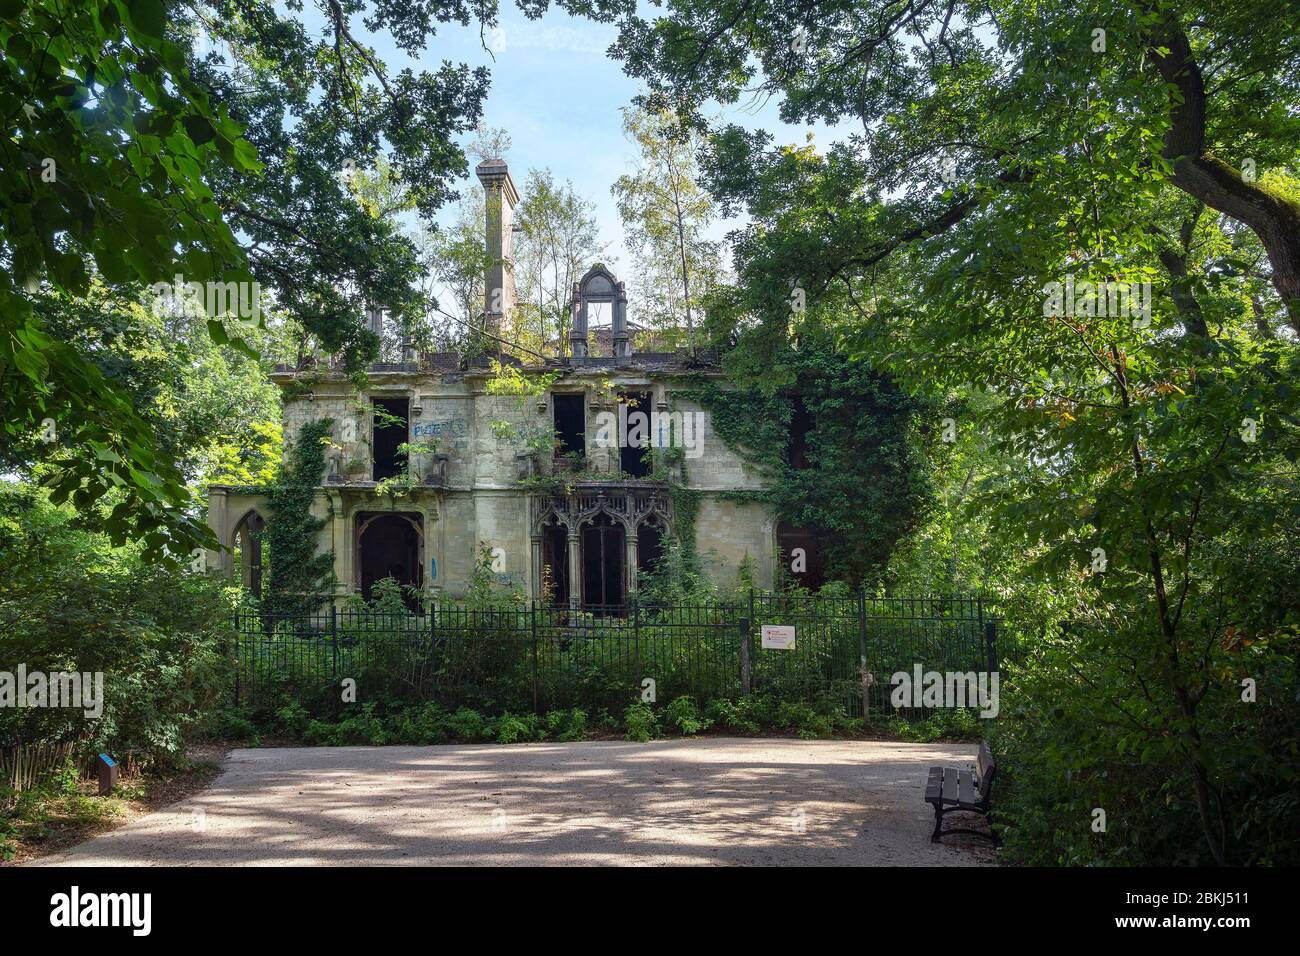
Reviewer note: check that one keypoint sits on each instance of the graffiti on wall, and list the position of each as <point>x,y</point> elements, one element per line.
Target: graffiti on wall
<point>451,432</point>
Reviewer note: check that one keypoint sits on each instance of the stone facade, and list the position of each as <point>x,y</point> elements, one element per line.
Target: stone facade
<point>576,521</point>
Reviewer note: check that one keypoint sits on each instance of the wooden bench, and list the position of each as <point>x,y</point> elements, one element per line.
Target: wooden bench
<point>949,789</point>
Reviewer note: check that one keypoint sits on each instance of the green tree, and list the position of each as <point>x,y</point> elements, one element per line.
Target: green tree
<point>132,149</point>
<point>1018,168</point>
<point>666,215</point>
<point>558,242</point>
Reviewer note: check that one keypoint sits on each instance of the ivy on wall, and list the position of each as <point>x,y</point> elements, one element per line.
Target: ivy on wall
<point>866,476</point>
<point>300,579</point>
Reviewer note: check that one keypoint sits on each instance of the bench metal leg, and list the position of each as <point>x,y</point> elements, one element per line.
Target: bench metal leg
<point>939,831</point>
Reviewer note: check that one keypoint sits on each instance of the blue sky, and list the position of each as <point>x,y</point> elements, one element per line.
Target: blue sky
<point>558,94</point>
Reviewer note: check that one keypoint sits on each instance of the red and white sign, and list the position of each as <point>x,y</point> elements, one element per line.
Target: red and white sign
<point>779,637</point>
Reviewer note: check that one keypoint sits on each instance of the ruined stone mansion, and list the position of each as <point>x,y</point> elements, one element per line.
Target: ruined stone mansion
<point>426,473</point>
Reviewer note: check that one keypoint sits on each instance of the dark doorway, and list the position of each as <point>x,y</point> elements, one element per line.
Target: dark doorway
<point>604,547</point>
<point>633,455</point>
<point>649,548</point>
<point>392,429</point>
<point>570,424</point>
<point>388,546</point>
<point>248,542</point>
<point>555,563</point>
<point>803,556</point>
<point>801,423</point>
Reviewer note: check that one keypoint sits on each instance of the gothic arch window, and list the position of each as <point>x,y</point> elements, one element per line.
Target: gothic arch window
<point>246,542</point>
<point>604,559</point>
<point>390,545</point>
<point>555,561</point>
<point>598,287</point>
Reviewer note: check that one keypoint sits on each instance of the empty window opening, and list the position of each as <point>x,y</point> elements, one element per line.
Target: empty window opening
<point>634,455</point>
<point>388,546</point>
<point>803,556</point>
<point>801,423</point>
<point>392,428</point>
<point>570,424</point>
<point>604,547</point>
<point>555,564</point>
<point>649,549</point>
<point>248,550</point>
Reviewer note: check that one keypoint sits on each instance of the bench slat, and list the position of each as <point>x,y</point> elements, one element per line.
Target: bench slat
<point>966,783</point>
<point>934,785</point>
<point>949,785</point>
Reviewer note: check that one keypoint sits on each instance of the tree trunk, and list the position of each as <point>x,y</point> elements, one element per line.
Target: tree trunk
<point>1272,217</point>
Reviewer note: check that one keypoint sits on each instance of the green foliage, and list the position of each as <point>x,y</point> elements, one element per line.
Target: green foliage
<point>113,146</point>
<point>640,722</point>
<point>866,477</point>
<point>803,720</point>
<point>958,723</point>
<point>683,715</point>
<point>512,729</point>
<point>377,723</point>
<point>1059,767</point>
<point>69,601</point>
<point>299,577</point>
<point>1132,471</point>
<point>468,724</point>
<point>738,716</point>
<point>666,217</point>
<point>566,725</point>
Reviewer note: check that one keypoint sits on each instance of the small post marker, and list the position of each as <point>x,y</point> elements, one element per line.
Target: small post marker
<point>107,774</point>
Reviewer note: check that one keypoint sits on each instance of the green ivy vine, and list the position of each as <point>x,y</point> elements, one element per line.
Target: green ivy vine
<point>866,479</point>
<point>300,579</point>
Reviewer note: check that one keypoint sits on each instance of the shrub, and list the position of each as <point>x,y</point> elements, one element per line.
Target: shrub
<point>468,725</point>
<point>73,602</point>
<point>803,720</point>
<point>293,719</point>
<point>423,724</point>
<point>566,725</point>
<point>512,729</point>
<point>639,722</point>
<point>726,713</point>
<point>685,716</point>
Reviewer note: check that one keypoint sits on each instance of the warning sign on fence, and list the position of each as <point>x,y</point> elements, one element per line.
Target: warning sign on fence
<point>778,637</point>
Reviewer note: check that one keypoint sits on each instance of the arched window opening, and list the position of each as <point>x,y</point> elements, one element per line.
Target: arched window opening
<point>248,552</point>
<point>555,564</point>
<point>390,546</point>
<point>604,578</point>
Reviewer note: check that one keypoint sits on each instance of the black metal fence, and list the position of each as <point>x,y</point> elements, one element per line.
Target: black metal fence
<point>536,658</point>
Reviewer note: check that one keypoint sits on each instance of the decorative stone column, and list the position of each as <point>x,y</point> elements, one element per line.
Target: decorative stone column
<point>578,324</point>
<point>622,343</point>
<point>430,553</point>
<point>217,521</point>
<point>339,542</point>
<point>500,198</point>
<point>536,570</point>
<point>631,562</point>
<point>575,573</point>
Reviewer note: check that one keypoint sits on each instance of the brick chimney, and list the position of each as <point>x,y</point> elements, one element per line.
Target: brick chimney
<point>499,191</point>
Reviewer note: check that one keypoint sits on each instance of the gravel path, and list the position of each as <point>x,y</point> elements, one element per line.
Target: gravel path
<point>712,800</point>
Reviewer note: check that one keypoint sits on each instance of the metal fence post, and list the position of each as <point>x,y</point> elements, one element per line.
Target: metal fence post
<point>991,644</point>
<point>862,656</point>
<point>334,664</point>
<point>745,669</point>
<point>532,626</point>
<point>636,642</point>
